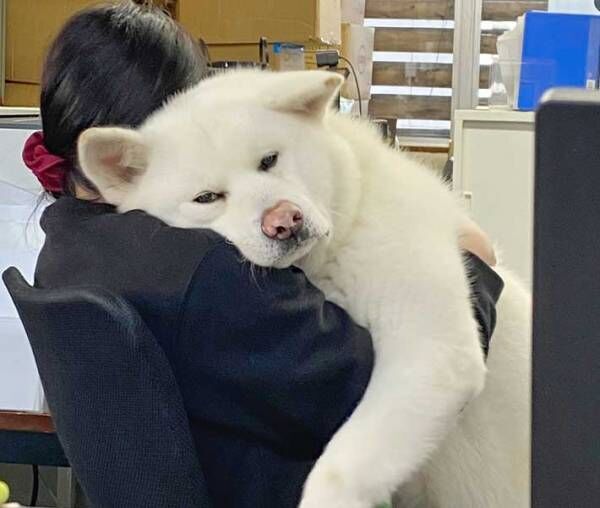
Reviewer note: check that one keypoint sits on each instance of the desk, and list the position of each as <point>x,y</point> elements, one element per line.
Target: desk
<point>29,438</point>
<point>26,421</point>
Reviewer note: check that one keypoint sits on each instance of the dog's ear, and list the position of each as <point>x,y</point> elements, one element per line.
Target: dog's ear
<point>307,93</point>
<point>112,158</point>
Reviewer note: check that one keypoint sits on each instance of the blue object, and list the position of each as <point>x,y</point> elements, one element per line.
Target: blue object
<point>559,50</point>
<point>278,47</point>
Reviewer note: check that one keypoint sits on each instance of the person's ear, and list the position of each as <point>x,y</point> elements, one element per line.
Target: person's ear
<point>308,93</point>
<point>112,158</point>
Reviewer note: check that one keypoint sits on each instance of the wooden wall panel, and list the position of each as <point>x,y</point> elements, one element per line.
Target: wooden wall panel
<point>415,9</point>
<point>410,106</point>
<point>497,10</point>
<point>426,40</point>
<point>510,10</point>
<point>419,74</point>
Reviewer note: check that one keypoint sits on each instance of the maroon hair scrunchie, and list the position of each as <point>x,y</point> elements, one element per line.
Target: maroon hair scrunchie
<point>51,170</point>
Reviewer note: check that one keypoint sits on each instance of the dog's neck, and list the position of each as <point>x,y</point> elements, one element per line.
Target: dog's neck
<point>345,200</point>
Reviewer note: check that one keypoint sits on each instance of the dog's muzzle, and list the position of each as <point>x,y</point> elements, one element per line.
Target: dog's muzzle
<point>290,233</point>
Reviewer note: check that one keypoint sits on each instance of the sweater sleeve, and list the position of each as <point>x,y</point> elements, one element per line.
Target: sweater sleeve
<point>261,352</point>
<point>486,288</point>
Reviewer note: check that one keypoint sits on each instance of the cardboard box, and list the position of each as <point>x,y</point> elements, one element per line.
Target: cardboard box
<point>245,21</point>
<point>234,52</point>
<point>21,94</point>
<point>231,28</point>
<point>353,11</point>
<point>357,46</point>
<point>31,25</point>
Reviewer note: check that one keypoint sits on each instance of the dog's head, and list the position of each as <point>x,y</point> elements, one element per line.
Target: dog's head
<point>247,154</point>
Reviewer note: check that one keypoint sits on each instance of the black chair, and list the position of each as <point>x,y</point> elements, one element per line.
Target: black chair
<point>115,402</point>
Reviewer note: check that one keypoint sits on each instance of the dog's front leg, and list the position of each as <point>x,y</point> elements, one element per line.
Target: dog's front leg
<point>424,375</point>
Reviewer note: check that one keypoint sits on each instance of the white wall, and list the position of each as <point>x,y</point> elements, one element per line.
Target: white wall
<point>578,6</point>
<point>20,241</point>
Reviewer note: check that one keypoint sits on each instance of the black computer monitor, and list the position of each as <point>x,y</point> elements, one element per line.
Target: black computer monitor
<point>566,314</point>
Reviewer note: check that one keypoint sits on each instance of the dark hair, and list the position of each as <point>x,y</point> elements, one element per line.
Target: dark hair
<point>112,65</point>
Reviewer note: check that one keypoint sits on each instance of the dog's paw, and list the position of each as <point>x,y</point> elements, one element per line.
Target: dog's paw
<point>329,487</point>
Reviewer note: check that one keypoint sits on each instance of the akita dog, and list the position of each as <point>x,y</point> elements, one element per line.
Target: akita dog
<point>262,159</point>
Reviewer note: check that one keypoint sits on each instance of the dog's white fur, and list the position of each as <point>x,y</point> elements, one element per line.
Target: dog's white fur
<point>381,241</point>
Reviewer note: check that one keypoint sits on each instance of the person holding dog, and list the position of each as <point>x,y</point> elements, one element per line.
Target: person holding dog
<point>268,369</point>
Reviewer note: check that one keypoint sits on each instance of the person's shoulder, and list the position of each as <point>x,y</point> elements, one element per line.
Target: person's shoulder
<point>155,243</point>
<point>172,239</point>
<point>137,231</point>
<point>133,246</point>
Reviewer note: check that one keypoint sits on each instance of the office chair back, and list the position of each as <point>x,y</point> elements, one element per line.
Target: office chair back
<point>113,397</point>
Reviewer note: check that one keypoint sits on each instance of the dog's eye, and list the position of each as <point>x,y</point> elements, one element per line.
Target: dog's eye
<point>208,197</point>
<point>268,161</point>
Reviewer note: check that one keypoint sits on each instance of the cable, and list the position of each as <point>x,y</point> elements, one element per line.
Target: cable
<point>36,485</point>
<point>356,82</point>
<point>18,187</point>
<point>444,17</point>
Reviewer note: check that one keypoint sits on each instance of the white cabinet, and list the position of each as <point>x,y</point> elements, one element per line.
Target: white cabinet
<point>493,174</point>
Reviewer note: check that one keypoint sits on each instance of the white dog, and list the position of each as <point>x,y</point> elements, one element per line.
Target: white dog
<point>260,158</point>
